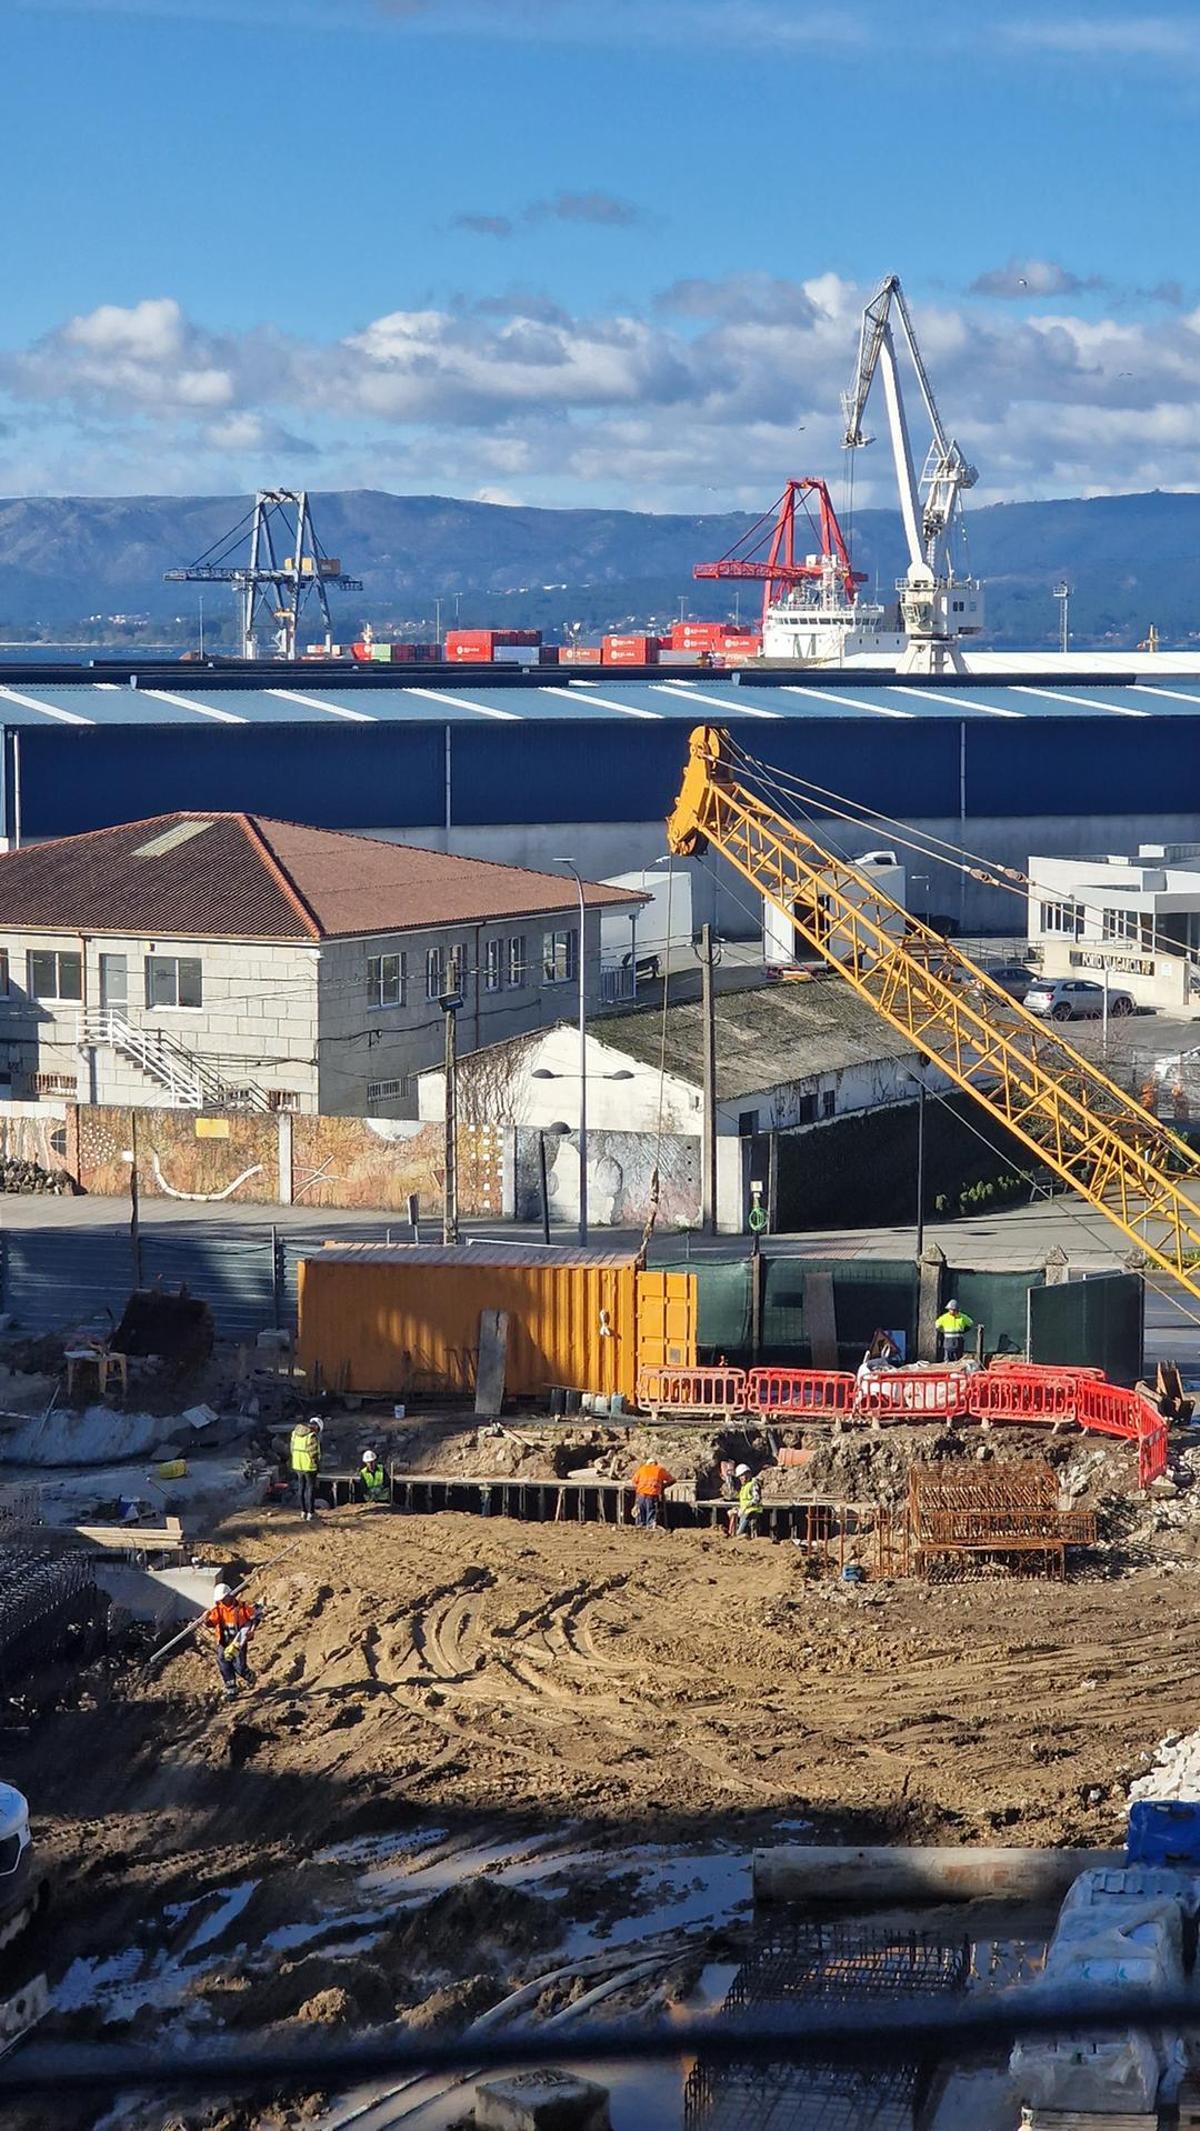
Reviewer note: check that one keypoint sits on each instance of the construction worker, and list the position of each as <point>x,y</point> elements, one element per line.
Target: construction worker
<point>749,1502</point>
<point>650,1483</point>
<point>233,1623</point>
<point>305,1453</point>
<point>372,1479</point>
<point>953,1324</point>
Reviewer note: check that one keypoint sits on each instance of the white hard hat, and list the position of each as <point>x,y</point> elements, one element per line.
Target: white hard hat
<point>369,1458</point>
<point>222,1591</point>
<point>738,1470</point>
<point>315,1421</point>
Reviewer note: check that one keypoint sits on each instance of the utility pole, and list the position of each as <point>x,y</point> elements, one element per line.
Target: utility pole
<point>708,1141</point>
<point>450,1005</point>
<point>1062,593</point>
<point>920,1170</point>
<point>135,1230</point>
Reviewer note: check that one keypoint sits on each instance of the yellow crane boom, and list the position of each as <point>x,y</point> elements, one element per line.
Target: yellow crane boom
<point>1077,1121</point>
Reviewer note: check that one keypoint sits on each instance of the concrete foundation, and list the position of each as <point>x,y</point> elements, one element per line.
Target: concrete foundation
<point>829,1873</point>
<point>541,2101</point>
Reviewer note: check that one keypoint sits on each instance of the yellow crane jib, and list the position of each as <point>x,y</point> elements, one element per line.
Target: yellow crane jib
<point>1067,1111</point>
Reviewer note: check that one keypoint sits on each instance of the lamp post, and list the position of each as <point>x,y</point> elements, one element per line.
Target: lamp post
<point>549,1073</point>
<point>583,1140</point>
<point>1062,593</point>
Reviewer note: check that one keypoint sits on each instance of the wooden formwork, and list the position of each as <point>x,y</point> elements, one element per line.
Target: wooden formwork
<point>955,1512</point>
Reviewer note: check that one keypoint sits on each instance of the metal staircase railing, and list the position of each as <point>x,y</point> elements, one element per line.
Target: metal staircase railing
<point>189,1083</point>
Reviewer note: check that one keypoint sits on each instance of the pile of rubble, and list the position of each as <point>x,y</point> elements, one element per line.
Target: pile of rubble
<point>1175,1772</point>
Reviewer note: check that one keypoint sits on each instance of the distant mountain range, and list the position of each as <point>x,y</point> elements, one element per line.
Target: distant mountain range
<point>1132,561</point>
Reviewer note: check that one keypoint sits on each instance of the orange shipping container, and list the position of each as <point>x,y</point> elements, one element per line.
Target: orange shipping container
<point>404,1320</point>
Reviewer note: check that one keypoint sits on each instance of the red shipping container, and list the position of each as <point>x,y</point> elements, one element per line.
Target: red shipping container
<point>549,655</point>
<point>468,654</point>
<point>640,648</point>
<point>580,655</point>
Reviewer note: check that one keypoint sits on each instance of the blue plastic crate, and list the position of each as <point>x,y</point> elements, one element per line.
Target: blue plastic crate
<point>1164,1832</point>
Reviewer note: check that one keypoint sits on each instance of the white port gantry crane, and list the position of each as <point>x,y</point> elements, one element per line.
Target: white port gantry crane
<point>938,606</point>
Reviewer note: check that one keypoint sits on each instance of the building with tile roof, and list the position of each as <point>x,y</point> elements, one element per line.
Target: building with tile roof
<point>228,959</point>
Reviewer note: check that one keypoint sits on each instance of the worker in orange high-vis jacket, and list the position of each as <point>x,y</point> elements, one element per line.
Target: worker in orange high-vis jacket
<point>233,1623</point>
<point>650,1483</point>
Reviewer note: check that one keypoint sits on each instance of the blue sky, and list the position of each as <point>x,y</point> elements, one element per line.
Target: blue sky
<point>570,252</point>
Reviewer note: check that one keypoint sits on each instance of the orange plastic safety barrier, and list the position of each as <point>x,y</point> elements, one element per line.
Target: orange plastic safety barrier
<point>693,1390</point>
<point>1011,1396</point>
<point>1020,1392</point>
<point>790,1391</point>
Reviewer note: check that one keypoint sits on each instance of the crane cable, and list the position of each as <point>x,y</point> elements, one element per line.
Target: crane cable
<point>971,864</point>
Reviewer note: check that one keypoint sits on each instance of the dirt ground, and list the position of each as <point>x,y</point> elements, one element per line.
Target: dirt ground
<point>625,1698</point>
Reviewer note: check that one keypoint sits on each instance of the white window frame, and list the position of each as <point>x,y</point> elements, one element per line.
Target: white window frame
<point>1119,922</point>
<point>435,973</point>
<point>518,962</point>
<point>59,955</point>
<point>569,936</point>
<point>5,973</point>
<point>164,1006</point>
<point>1063,919</point>
<point>456,968</point>
<point>493,965</point>
<point>378,983</point>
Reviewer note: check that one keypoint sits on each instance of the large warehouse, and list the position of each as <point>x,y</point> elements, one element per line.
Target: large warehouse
<point>530,767</point>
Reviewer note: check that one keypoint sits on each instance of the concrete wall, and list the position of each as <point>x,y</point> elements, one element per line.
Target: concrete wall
<point>262,1160</point>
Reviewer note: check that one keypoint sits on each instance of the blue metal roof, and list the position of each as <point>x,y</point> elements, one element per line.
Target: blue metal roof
<point>641,701</point>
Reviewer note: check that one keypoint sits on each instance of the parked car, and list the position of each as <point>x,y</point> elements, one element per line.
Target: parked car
<point>1074,999</point>
<point>1011,977</point>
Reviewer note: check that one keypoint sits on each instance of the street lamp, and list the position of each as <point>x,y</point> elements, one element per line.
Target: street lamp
<point>583,1140</point>
<point>1062,593</point>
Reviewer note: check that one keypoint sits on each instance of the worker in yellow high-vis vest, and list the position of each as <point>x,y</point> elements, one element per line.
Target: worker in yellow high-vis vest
<point>305,1455</point>
<point>954,1324</point>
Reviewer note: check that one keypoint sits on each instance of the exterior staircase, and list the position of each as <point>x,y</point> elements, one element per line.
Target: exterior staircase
<point>188,1082</point>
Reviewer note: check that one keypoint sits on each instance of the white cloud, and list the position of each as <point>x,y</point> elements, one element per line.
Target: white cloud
<point>1022,278</point>
<point>1129,36</point>
<point>711,396</point>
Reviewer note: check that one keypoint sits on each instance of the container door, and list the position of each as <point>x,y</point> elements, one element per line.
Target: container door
<point>666,1320</point>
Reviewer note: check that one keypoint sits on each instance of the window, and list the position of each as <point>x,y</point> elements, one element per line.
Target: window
<point>518,963</point>
<point>828,1102</point>
<point>3,972</point>
<point>456,969</point>
<point>114,981</point>
<point>54,1084</point>
<point>806,1110</point>
<point>747,1123</point>
<point>56,976</point>
<point>173,980</point>
<point>559,962</point>
<point>1134,926</point>
<point>434,974</point>
<point>493,975</point>
<point>283,1099</point>
<point>384,1090</point>
<point>1063,917</point>
<point>387,980</point>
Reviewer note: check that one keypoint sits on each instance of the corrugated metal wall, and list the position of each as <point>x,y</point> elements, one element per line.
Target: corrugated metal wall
<point>393,775</point>
<point>384,1327</point>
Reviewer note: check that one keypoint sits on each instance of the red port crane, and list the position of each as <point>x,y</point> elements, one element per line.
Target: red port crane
<point>779,567</point>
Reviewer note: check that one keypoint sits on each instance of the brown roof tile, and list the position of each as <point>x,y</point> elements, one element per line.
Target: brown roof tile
<point>245,876</point>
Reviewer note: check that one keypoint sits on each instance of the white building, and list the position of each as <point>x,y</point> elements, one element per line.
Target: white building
<point>212,960</point>
<point>1138,918</point>
<point>788,1054</point>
